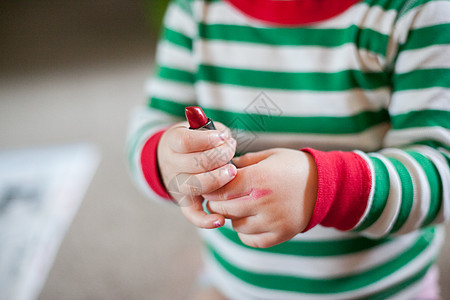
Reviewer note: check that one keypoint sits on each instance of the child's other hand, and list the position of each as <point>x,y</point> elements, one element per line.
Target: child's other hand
<point>272,197</point>
<point>194,162</point>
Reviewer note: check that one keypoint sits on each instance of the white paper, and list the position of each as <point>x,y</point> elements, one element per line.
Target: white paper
<point>40,192</point>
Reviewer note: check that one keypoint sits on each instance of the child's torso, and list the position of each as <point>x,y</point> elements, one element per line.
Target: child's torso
<point>323,85</point>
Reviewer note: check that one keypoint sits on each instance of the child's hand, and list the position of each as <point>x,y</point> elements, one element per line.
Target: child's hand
<point>272,197</point>
<point>194,162</point>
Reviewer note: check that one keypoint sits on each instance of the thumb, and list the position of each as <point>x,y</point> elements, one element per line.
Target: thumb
<point>251,158</point>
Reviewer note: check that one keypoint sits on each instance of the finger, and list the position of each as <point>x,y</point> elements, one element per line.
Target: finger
<point>233,209</point>
<point>198,184</point>
<point>197,216</point>
<point>223,129</point>
<point>240,186</point>
<point>251,158</point>
<point>184,140</point>
<point>248,225</point>
<point>261,240</point>
<point>205,161</point>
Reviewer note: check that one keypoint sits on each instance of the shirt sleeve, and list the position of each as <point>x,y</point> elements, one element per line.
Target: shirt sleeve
<point>170,86</point>
<point>406,185</point>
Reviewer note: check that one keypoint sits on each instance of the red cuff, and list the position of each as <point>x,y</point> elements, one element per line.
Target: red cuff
<point>149,163</point>
<point>344,183</point>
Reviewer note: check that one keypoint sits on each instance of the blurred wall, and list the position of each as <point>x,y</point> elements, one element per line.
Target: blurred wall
<point>52,34</point>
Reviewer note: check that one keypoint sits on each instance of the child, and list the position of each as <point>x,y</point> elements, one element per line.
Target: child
<point>303,84</point>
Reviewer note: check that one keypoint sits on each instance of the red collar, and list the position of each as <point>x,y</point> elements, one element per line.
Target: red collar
<point>292,12</point>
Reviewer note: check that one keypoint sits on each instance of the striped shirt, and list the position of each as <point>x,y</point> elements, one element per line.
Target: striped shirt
<point>372,81</point>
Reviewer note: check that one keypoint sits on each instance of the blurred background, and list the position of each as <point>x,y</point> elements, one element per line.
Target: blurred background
<point>71,71</point>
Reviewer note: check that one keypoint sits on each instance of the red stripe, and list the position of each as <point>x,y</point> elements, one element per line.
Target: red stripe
<point>344,183</point>
<point>149,163</point>
<point>292,12</point>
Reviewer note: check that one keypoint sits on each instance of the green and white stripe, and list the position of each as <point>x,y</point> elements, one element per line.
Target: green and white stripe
<point>419,182</point>
<point>270,280</point>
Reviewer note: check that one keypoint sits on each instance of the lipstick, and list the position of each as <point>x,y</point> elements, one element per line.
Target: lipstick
<point>197,118</point>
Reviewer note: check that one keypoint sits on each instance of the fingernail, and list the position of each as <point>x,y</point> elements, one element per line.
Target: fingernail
<point>217,224</point>
<point>232,171</point>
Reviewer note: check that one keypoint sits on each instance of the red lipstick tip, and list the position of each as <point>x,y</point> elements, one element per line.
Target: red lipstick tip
<point>195,116</point>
